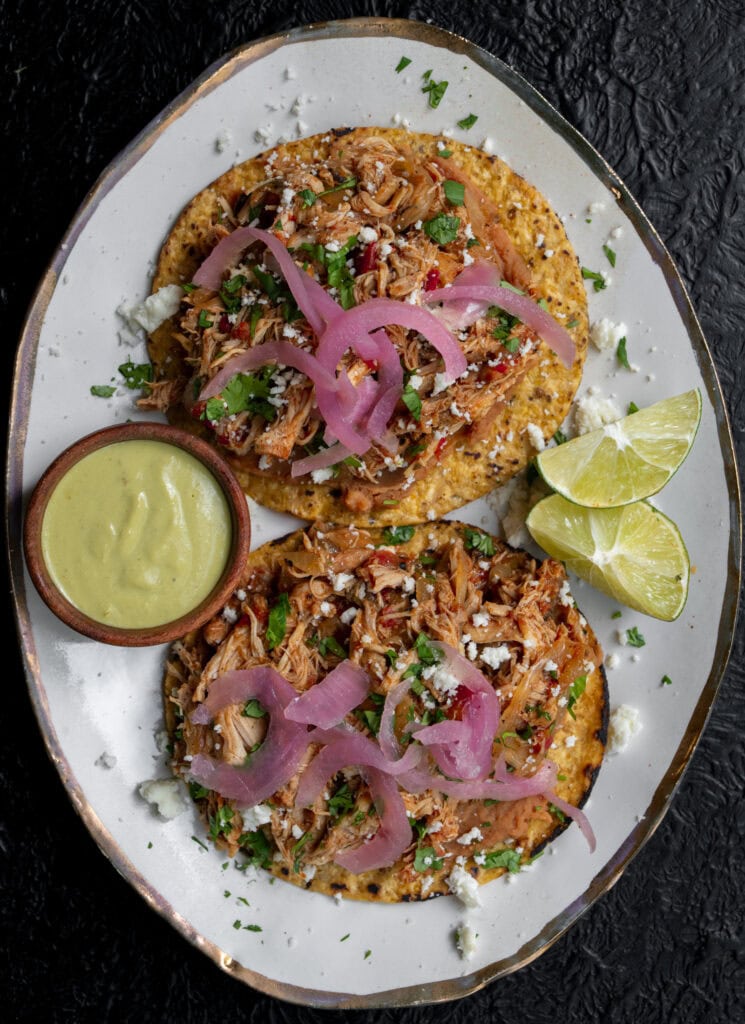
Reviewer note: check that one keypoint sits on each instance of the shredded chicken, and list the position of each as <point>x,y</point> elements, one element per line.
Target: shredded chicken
<point>360,222</point>
<point>500,608</point>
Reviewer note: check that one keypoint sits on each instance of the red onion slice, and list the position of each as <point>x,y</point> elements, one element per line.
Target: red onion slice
<point>346,751</point>
<point>393,834</point>
<point>461,313</point>
<point>328,702</point>
<point>521,306</point>
<point>386,733</point>
<point>321,460</point>
<point>376,313</point>
<point>575,814</point>
<point>278,758</point>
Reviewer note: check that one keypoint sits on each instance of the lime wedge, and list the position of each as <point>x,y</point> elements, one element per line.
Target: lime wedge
<point>627,460</point>
<point>634,554</point>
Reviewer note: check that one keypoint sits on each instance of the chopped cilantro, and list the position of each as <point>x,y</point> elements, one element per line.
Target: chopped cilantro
<point>573,322</point>
<point>253,709</point>
<point>506,858</point>
<point>220,821</point>
<point>297,848</point>
<point>633,407</point>
<point>258,846</point>
<point>368,953</point>
<point>391,657</point>
<point>506,324</point>
<point>204,318</point>
<point>425,859</point>
<point>511,287</point>
<point>136,375</point>
<point>445,153</point>
<point>309,197</point>
<point>413,402</point>
<point>610,254</point>
<point>617,614</point>
<point>442,228</point>
<point>230,293</point>
<point>275,632</point>
<point>199,842</point>
<point>253,928</point>
<point>468,122</point>
<point>634,637</point>
<point>337,271</point>
<point>543,304</point>
<point>427,653</point>
<point>471,242</point>
<point>454,192</point>
<point>575,692</point>
<point>598,281</point>
<point>436,90</point>
<point>345,937</point>
<point>341,802</point>
<point>330,643</point>
<point>370,718</point>
<point>256,314</point>
<point>512,345</point>
<point>666,681</point>
<point>559,815</point>
<point>398,534</point>
<point>403,63</point>
<point>102,390</point>
<point>188,288</point>
<point>621,355</point>
<point>197,792</point>
<point>246,392</point>
<point>560,437</point>
<point>478,541</point>
<point>417,686</point>
<point>236,924</point>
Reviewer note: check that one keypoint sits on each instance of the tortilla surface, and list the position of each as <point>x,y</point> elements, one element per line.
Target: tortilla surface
<point>524,607</point>
<point>484,456</point>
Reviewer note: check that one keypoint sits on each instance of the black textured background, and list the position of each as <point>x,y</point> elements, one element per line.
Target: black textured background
<point>659,89</point>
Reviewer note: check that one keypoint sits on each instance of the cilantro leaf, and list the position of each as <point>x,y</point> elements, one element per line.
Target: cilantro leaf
<point>610,254</point>
<point>341,802</point>
<point>442,228</point>
<point>425,859</point>
<point>102,390</point>
<point>398,534</point>
<point>275,632</point>
<point>468,122</point>
<point>454,192</point>
<point>436,90</point>
<point>633,407</point>
<point>558,814</point>
<point>428,655</point>
<point>621,354</point>
<point>403,63</point>
<point>230,293</point>
<point>136,375</point>
<point>666,681</point>
<point>478,541</point>
<point>258,846</point>
<point>330,643</point>
<point>412,401</point>
<point>560,437</point>
<point>204,319</point>
<point>253,709</point>
<point>220,821</point>
<point>506,858</point>
<point>634,638</point>
<point>598,281</point>
<point>575,692</point>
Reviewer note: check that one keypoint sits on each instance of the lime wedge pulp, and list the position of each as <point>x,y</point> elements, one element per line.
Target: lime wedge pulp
<point>635,554</point>
<point>627,460</point>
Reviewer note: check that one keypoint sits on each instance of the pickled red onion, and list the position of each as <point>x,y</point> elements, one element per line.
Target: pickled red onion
<point>328,701</point>
<point>393,834</point>
<point>278,758</point>
<point>521,306</point>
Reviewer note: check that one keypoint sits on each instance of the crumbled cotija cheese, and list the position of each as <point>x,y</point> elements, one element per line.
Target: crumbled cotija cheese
<point>625,723</point>
<point>165,794</point>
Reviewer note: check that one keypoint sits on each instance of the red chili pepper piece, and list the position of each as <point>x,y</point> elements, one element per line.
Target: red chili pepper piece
<point>440,447</point>
<point>223,324</point>
<point>368,258</point>
<point>242,331</point>
<point>432,280</point>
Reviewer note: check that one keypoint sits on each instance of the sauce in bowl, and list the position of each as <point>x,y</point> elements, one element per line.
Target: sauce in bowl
<point>136,533</point>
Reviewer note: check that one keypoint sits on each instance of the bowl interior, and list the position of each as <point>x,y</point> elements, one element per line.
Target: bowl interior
<point>144,635</point>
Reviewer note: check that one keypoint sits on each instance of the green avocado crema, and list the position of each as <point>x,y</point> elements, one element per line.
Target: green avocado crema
<point>136,534</point>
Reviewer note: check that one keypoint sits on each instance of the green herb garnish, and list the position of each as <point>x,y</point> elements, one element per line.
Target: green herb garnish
<point>220,821</point>
<point>136,375</point>
<point>204,319</point>
<point>330,643</point>
<point>598,281</point>
<point>258,846</point>
<point>413,402</point>
<point>634,637</point>
<point>575,692</point>
<point>506,858</point>
<point>560,437</point>
<point>275,632</point>
<point>253,709</point>
<point>197,792</point>
<point>633,407</point>
<point>478,541</point>
<point>667,681</point>
<point>610,254</point>
<point>559,815</point>
<point>102,390</point>
<point>425,859</point>
<point>230,293</point>
<point>436,90</point>
<point>468,122</point>
<point>621,355</point>
<point>454,192</point>
<point>403,63</point>
<point>398,534</point>
<point>442,228</point>
<point>342,802</point>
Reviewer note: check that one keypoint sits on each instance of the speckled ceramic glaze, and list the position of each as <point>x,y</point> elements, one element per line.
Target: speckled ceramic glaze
<point>92,699</point>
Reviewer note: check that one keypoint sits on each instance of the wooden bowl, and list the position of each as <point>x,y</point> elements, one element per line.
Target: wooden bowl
<point>141,636</point>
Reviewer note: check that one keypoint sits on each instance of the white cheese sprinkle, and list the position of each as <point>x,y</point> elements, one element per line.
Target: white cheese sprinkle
<point>625,723</point>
